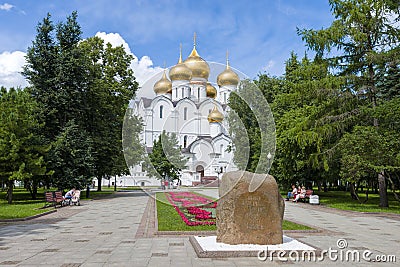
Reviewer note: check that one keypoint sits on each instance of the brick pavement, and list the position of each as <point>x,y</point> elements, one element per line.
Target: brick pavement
<point>119,232</point>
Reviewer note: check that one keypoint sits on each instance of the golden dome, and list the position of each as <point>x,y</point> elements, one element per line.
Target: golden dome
<point>163,86</point>
<point>180,72</point>
<point>215,115</point>
<point>211,91</point>
<point>196,64</point>
<point>228,76</point>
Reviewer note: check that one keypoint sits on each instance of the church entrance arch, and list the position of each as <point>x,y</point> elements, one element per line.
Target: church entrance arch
<point>200,170</point>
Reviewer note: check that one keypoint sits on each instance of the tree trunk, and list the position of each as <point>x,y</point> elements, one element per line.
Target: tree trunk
<point>396,196</point>
<point>28,187</point>
<point>10,191</point>
<point>353,192</point>
<point>99,183</point>
<point>383,198</point>
<point>319,186</point>
<point>47,184</point>
<point>34,189</point>
<point>366,195</point>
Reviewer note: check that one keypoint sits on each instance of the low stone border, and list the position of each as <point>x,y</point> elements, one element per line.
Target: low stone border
<point>209,233</point>
<point>185,233</point>
<point>28,218</point>
<point>148,222</point>
<point>233,254</point>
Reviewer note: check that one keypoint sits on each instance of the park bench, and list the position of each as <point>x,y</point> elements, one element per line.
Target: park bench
<point>306,197</point>
<point>54,198</point>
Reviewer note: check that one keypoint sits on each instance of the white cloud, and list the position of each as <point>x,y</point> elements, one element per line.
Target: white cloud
<point>11,63</point>
<point>10,69</point>
<point>143,68</point>
<point>6,7</point>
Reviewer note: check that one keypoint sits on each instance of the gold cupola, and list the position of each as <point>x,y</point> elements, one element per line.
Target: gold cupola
<point>215,115</point>
<point>211,91</point>
<point>228,76</point>
<point>163,86</point>
<point>180,72</point>
<point>196,64</point>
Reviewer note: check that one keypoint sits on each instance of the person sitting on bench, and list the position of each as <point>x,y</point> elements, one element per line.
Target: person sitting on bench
<point>293,193</point>
<point>70,194</point>
<point>301,194</point>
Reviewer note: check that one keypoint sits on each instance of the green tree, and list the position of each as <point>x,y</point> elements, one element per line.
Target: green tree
<point>165,160</point>
<point>41,71</point>
<point>134,150</point>
<point>388,84</point>
<point>55,69</point>
<point>20,151</point>
<point>82,80</point>
<point>251,125</point>
<point>72,153</point>
<point>309,121</point>
<point>360,39</point>
<point>111,85</point>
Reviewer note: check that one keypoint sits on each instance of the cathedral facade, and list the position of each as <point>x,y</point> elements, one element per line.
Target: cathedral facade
<point>187,104</point>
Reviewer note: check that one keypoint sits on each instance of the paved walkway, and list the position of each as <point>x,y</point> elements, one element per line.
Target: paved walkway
<point>107,233</point>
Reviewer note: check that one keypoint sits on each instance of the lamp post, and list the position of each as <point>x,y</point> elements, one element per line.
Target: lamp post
<point>269,157</point>
<point>219,171</point>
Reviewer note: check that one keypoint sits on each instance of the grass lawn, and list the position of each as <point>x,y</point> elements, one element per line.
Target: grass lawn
<point>105,192</point>
<point>169,219</point>
<point>132,188</point>
<point>23,206</point>
<point>342,200</point>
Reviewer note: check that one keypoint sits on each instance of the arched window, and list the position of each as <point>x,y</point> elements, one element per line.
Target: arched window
<point>185,113</point>
<point>221,150</point>
<point>161,111</point>
<point>198,92</point>
<point>185,141</point>
<point>176,92</point>
<point>225,97</point>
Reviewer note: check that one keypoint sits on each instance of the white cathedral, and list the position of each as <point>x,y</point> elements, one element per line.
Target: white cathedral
<point>187,104</point>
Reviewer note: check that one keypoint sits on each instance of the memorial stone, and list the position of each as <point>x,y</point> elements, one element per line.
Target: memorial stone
<point>248,214</point>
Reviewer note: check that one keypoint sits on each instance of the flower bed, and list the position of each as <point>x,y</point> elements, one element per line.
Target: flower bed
<point>193,209</point>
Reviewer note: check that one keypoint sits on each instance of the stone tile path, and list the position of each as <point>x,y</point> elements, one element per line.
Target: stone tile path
<point>115,232</point>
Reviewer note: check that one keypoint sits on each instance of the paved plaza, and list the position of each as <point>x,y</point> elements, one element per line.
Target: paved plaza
<point>117,232</point>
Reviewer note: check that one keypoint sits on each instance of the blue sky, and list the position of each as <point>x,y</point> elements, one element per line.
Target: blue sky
<point>258,34</point>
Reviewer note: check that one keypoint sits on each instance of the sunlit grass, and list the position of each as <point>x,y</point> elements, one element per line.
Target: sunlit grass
<point>23,206</point>
<point>21,209</point>
<point>342,200</point>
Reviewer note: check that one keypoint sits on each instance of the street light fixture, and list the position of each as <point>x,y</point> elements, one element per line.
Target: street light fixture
<point>219,171</point>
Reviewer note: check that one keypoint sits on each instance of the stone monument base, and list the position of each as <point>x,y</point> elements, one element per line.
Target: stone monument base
<point>208,247</point>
